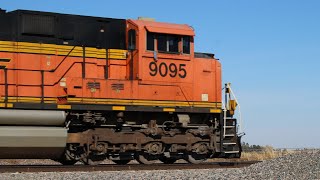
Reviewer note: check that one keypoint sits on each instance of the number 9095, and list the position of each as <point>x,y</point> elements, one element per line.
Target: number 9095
<point>164,70</point>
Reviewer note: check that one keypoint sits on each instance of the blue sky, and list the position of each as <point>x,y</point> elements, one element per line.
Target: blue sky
<point>269,50</point>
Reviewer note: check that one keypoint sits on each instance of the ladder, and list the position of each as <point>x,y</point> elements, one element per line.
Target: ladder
<point>229,143</point>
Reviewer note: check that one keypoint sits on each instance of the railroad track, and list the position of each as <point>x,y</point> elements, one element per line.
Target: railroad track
<point>113,167</point>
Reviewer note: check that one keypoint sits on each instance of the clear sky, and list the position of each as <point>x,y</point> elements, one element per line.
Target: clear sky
<point>269,50</point>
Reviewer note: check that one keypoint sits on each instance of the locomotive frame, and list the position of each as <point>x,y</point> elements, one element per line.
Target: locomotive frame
<point>129,89</point>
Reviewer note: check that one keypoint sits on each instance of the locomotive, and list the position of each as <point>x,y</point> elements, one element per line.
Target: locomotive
<point>80,88</point>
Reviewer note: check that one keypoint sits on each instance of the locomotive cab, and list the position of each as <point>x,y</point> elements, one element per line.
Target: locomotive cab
<point>164,43</point>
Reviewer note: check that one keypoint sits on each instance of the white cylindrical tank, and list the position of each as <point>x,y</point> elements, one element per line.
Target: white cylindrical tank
<point>32,117</point>
<point>32,142</point>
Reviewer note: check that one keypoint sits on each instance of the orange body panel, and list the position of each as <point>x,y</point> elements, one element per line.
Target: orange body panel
<point>201,80</point>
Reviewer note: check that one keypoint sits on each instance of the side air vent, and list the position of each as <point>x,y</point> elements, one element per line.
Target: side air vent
<point>33,24</point>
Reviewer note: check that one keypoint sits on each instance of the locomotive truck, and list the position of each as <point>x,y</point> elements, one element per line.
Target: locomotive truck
<point>80,88</point>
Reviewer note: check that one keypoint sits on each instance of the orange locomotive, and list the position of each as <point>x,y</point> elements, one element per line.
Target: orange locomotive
<point>117,89</point>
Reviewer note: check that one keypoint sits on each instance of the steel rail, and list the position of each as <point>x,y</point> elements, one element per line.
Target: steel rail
<point>114,167</point>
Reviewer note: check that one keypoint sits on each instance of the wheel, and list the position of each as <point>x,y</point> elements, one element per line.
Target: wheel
<point>71,155</point>
<point>166,160</point>
<point>121,162</point>
<point>64,161</point>
<point>196,158</point>
<point>145,159</point>
<point>93,160</point>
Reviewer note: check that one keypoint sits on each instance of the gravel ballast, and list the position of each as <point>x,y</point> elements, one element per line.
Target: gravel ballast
<point>302,165</point>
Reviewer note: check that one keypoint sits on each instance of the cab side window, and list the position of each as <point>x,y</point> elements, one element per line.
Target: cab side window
<point>168,43</point>
<point>162,43</point>
<point>132,39</point>
<point>186,44</point>
<point>150,41</point>
<point>173,44</point>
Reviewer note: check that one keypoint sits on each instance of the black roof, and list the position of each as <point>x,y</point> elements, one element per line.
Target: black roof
<point>57,28</point>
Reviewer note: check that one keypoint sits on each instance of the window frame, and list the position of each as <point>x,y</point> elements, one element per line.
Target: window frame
<point>153,38</point>
<point>189,42</point>
<point>132,39</point>
<point>178,44</point>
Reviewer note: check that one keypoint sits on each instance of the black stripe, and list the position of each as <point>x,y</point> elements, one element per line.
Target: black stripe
<point>5,60</point>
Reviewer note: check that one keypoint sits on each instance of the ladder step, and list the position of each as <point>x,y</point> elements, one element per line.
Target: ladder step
<point>231,152</point>
<point>229,135</point>
<point>229,126</point>
<point>229,143</point>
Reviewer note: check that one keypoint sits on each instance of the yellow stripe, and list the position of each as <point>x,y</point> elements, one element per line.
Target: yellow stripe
<point>213,105</point>
<point>64,106</point>
<point>215,110</point>
<point>31,98</point>
<point>118,108</point>
<point>144,102</point>
<point>169,109</point>
<point>9,105</point>
<point>28,99</point>
<point>52,49</point>
<point>2,105</point>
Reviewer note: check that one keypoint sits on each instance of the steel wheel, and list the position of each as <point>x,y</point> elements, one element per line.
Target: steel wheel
<point>67,162</point>
<point>93,160</point>
<point>196,158</point>
<point>121,162</point>
<point>67,158</point>
<point>145,159</point>
<point>166,160</point>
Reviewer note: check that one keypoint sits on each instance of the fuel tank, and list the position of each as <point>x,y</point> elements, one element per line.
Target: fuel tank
<point>30,142</point>
<point>32,117</point>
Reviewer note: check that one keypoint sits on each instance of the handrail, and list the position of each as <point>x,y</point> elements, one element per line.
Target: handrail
<point>65,57</point>
<point>224,119</point>
<point>45,71</point>
<point>241,133</point>
<point>6,86</point>
<point>42,85</point>
<point>52,70</point>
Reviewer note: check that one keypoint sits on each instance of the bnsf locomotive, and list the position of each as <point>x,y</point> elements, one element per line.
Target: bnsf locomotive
<point>79,88</point>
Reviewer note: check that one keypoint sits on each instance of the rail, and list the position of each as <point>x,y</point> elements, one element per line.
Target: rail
<point>129,167</point>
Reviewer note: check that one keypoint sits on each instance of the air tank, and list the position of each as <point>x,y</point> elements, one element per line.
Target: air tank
<point>32,117</point>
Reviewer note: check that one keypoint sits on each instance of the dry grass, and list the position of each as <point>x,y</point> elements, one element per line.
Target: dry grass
<point>265,153</point>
